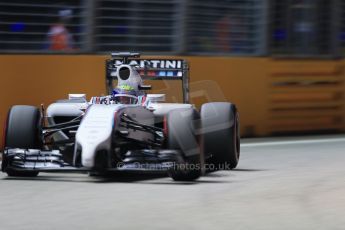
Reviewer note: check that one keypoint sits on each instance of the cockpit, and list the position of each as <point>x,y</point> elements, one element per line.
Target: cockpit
<point>115,99</point>
<point>125,99</point>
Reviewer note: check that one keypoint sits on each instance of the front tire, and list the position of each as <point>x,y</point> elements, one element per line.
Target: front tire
<point>23,130</point>
<point>221,135</point>
<point>180,128</point>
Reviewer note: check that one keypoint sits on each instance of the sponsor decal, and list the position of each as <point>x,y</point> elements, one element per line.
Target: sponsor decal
<point>158,64</point>
<point>167,68</point>
<point>125,87</point>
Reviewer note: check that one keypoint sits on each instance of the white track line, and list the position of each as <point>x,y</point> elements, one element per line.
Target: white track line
<point>275,143</point>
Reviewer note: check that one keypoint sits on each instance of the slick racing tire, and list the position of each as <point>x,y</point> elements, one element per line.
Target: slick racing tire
<point>23,131</point>
<point>221,136</point>
<point>180,130</point>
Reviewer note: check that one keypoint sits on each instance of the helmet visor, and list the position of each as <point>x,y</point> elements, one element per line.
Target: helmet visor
<point>125,99</point>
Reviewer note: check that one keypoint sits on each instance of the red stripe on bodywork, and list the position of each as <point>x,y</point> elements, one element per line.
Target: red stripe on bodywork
<point>165,126</point>
<point>143,101</point>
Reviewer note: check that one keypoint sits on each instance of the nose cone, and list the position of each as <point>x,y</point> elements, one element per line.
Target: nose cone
<point>95,132</point>
<point>88,160</point>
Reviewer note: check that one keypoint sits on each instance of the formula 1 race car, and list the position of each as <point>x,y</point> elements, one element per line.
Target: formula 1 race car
<point>128,130</point>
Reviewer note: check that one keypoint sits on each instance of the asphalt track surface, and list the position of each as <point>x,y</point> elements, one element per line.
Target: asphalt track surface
<point>281,183</point>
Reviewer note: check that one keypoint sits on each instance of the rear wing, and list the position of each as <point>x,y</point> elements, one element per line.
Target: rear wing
<point>150,69</point>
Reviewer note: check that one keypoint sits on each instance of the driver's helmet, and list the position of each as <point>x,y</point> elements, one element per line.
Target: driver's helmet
<point>125,96</point>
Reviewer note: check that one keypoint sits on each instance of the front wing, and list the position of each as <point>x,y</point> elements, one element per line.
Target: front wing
<point>152,161</point>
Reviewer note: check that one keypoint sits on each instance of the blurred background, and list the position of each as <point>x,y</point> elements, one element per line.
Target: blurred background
<point>280,61</point>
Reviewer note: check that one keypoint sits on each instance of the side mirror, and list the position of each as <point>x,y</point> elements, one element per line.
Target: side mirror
<point>145,87</point>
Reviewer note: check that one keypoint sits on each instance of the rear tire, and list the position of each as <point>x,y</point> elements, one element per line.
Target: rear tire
<point>23,131</point>
<point>180,128</point>
<point>221,136</point>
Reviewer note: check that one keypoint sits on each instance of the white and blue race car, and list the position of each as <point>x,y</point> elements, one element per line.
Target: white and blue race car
<point>128,130</point>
